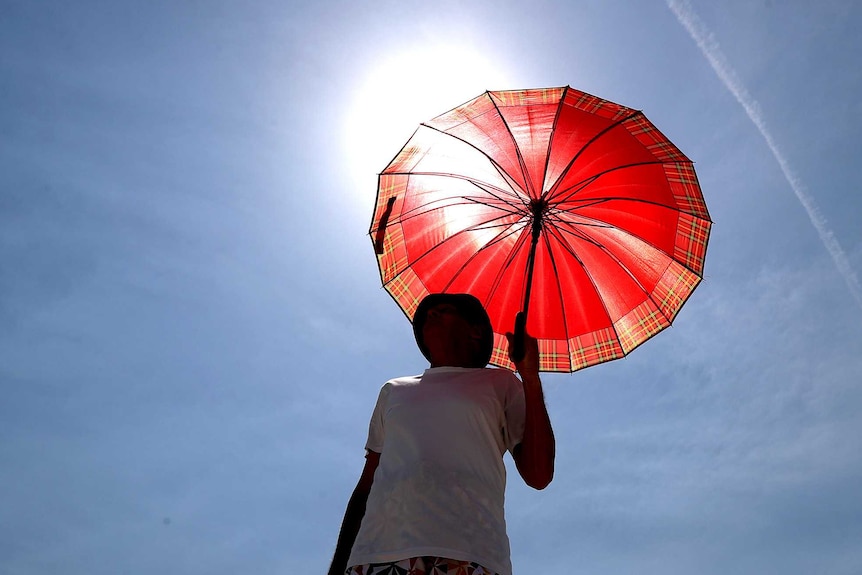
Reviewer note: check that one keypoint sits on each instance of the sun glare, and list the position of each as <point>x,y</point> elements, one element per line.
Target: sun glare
<point>404,90</point>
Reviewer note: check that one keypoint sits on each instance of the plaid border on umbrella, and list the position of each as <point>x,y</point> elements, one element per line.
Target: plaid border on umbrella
<point>566,356</point>
<point>639,325</point>
<point>691,239</point>
<point>554,355</point>
<point>686,189</point>
<point>595,105</point>
<point>673,289</point>
<point>593,348</point>
<point>527,97</point>
<point>653,140</point>
<point>407,290</point>
<point>393,257</point>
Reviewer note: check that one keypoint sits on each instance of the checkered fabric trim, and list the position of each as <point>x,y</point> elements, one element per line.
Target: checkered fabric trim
<point>596,347</point>
<point>565,356</point>
<point>639,325</point>
<point>566,95</point>
<point>500,353</point>
<point>595,105</point>
<point>388,186</point>
<point>686,189</point>
<point>670,293</point>
<point>393,261</point>
<point>673,289</point>
<point>692,235</point>
<point>407,290</point>
<point>657,143</point>
<point>421,566</point>
<point>527,97</point>
<point>553,354</point>
<point>394,257</point>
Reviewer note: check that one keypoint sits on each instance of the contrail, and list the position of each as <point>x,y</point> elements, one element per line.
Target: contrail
<point>710,48</point>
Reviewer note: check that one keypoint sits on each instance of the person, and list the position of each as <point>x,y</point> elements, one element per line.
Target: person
<point>430,496</point>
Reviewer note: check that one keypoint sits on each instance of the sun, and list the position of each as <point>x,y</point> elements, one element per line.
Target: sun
<point>402,91</point>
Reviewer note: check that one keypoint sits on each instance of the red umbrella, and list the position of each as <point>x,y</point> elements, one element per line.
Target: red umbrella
<point>573,209</point>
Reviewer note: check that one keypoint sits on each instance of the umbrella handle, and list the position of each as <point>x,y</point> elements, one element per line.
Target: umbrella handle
<point>518,347</point>
<point>537,207</point>
<point>381,227</point>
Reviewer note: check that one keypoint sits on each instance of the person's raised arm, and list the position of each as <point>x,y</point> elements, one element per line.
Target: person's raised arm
<point>534,456</point>
<point>353,515</point>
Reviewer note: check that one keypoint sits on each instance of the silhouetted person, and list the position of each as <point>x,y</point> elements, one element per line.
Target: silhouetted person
<point>430,497</point>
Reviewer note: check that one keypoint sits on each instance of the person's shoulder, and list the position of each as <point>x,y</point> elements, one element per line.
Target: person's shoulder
<point>499,378</point>
<point>402,381</point>
<point>397,383</point>
<point>499,374</point>
<point>508,382</point>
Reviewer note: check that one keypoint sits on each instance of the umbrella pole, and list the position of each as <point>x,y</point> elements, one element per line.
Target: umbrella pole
<point>537,207</point>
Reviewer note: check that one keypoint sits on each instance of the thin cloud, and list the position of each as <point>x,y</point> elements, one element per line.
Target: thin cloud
<point>710,48</point>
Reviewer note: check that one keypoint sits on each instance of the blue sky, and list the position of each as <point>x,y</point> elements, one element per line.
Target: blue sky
<point>192,330</point>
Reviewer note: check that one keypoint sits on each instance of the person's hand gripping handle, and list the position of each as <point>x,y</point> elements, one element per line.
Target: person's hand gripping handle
<point>518,348</point>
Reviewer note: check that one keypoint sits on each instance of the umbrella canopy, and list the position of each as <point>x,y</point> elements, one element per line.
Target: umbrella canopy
<point>553,201</point>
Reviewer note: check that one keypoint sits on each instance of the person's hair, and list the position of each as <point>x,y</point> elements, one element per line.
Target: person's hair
<point>469,308</point>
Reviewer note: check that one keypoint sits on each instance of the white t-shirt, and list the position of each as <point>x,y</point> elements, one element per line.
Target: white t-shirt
<point>440,486</point>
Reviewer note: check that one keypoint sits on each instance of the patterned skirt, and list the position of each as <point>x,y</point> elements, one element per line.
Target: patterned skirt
<point>421,566</point>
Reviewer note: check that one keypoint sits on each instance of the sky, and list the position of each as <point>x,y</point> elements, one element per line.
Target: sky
<point>193,331</point>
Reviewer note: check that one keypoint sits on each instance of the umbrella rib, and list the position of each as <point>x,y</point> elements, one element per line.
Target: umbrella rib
<point>583,235</point>
<point>483,225</point>
<point>490,191</point>
<point>509,259</point>
<point>502,191</point>
<point>596,202</point>
<point>557,230</point>
<point>631,275</point>
<point>506,208</point>
<point>521,162</point>
<point>504,205</point>
<point>577,187</point>
<point>600,224</point>
<point>507,202</point>
<point>503,173</point>
<point>560,105</point>
<point>591,141</point>
<point>509,231</point>
<point>559,223</point>
<point>608,252</point>
<point>505,233</point>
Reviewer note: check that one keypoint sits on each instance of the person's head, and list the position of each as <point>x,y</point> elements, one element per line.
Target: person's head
<point>453,329</point>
